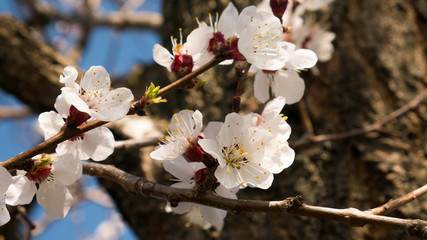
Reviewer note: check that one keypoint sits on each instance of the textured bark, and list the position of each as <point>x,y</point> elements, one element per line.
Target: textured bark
<point>380,63</point>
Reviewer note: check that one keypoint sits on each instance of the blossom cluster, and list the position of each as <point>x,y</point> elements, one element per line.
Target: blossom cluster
<point>242,151</point>
<point>257,36</point>
<point>48,177</point>
<point>278,42</point>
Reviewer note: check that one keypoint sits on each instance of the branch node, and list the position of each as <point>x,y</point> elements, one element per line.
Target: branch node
<point>145,187</point>
<point>173,200</point>
<point>417,230</point>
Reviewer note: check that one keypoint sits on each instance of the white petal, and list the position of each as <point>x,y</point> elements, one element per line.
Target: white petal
<point>67,98</point>
<point>227,23</point>
<point>245,18</point>
<point>5,180</point>
<point>212,215</point>
<point>95,79</point>
<point>182,207</point>
<point>228,176</point>
<point>212,129</point>
<point>283,158</point>
<point>4,214</point>
<point>225,192</point>
<point>179,168</point>
<point>273,108</point>
<point>212,147</point>
<point>55,198</point>
<point>256,176</point>
<point>70,76</point>
<point>21,191</point>
<point>288,84</point>
<point>67,169</point>
<point>187,123</point>
<point>231,129</point>
<point>197,41</point>
<point>98,143</point>
<point>114,105</point>
<point>301,59</point>
<point>162,56</point>
<point>262,86</point>
<point>168,151</point>
<point>50,123</point>
<point>72,147</point>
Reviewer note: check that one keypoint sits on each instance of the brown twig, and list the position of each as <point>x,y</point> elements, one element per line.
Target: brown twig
<point>305,141</point>
<point>293,205</point>
<point>116,19</point>
<point>182,81</point>
<point>14,112</point>
<point>128,145</point>
<point>241,76</point>
<point>391,205</point>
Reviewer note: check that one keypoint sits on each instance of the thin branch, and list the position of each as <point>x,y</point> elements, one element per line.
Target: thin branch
<point>305,141</point>
<point>293,205</point>
<point>182,81</point>
<point>305,117</point>
<point>391,205</point>
<point>14,112</point>
<point>241,76</point>
<point>117,19</point>
<point>132,144</point>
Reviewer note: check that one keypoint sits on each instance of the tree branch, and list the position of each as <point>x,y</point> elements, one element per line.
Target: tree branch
<point>308,140</point>
<point>117,19</point>
<point>391,205</point>
<point>293,205</point>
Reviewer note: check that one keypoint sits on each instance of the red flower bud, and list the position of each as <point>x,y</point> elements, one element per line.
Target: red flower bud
<point>278,7</point>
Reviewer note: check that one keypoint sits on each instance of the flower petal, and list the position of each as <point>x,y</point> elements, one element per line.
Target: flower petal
<point>212,129</point>
<point>4,214</point>
<point>67,169</point>
<point>167,151</point>
<point>69,97</point>
<point>227,23</point>
<point>95,79</point>
<point>301,59</point>
<point>55,198</point>
<point>162,56</point>
<point>5,180</point>
<point>273,108</point>
<point>179,168</point>
<point>21,191</point>
<point>288,84</point>
<point>98,143</point>
<point>212,147</point>
<point>245,18</point>
<point>70,76</point>
<point>212,215</point>
<point>262,86</point>
<point>114,105</point>
<point>50,122</point>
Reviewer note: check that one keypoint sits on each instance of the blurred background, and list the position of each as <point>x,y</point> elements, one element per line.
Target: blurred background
<point>379,64</point>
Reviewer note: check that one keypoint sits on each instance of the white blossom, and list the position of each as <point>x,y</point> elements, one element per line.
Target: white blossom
<point>240,151</point>
<point>96,144</point>
<point>260,34</point>
<point>201,215</point>
<point>186,127</point>
<point>52,192</point>
<point>93,96</point>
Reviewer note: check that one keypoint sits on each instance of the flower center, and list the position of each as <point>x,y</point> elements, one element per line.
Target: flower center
<point>41,170</point>
<point>235,155</point>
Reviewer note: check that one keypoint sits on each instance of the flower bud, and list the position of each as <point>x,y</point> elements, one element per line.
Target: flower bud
<point>182,65</point>
<point>278,7</point>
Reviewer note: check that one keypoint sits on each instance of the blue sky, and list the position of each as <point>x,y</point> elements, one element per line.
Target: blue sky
<point>117,51</point>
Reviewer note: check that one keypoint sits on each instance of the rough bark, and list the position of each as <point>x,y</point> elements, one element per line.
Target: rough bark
<point>380,63</point>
